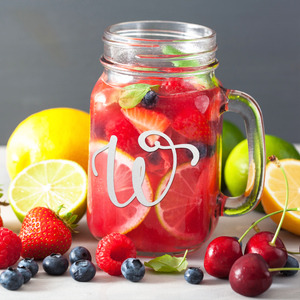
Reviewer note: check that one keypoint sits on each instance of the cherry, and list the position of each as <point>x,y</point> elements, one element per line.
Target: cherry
<point>220,255</point>
<point>249,275</point>
<point>260,243</point>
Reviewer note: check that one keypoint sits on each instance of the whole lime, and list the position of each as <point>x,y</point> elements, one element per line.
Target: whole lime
<point>236,167</point>
<point>231,136</point>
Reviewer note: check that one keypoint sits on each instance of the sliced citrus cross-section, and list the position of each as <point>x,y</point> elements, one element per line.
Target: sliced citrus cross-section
<point>184,211</point>
<point>103,216</point>
<point>49,183</point>
<point>274,193</point>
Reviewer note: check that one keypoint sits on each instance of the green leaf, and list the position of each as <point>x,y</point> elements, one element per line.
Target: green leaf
<point>133,94</point>
<point>169,50</point>
<point>168,263</point>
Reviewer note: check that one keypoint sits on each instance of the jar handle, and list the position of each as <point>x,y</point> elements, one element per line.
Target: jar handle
<point>247,107</point>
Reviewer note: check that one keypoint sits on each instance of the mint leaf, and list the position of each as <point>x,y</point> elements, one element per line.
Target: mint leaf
<point>168,263</point>
<point>169,50</point>
<point>133,94</point>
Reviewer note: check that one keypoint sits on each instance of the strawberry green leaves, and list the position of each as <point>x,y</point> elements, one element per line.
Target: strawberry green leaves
<point>133,94</point>
<point>167,263</point>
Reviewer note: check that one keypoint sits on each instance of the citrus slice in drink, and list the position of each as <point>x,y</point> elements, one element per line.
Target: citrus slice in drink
<point>103,216</point>
<point>183,212</point>
<point>49,183</point>
<point>274,193</point>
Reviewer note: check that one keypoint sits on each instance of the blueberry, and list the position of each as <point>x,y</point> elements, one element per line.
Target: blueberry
<point>11,279</point>
<point>193,275</point>
<point>55,264</point>
<point>154,158</point>
<point>132,269</point>
<point>290,263</point>
<point>26,273</point>
<point>79,253</point>
<point>149,100</point>
<point>31,264</point>
<point>83,270</point>
<point>204,150</point>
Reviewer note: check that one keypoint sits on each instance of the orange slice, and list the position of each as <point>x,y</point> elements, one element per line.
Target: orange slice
<point>274,193</point>
<point>184,211</point>
<point>103,216</point>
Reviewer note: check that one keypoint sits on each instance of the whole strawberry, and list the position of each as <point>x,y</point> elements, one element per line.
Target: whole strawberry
<point>10,248</point>
<point>43,232</point>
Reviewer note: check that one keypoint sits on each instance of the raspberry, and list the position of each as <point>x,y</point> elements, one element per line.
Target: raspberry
<point>112,250</point>
<point>125,132</point>
<point>175,86</point>
<point>1,222</point>
<point>10,248</point>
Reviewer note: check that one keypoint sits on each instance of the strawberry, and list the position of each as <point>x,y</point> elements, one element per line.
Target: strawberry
<point>43,232</point>
<point>1,222</point>
<point>194,125</point>
<point>144,119</point>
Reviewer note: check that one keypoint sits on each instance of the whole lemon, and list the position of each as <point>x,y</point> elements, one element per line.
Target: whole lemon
<point>56,133</point>
<point>236,167</point>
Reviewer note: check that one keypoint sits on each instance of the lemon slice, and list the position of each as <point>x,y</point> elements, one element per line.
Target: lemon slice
<point>50,183</point>
<point>274,193</point>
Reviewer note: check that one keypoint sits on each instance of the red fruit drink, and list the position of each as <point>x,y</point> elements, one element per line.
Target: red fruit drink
<point>187,112</point>
<point>155,139</point>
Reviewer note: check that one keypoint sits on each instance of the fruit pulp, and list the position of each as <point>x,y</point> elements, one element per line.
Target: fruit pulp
<point>188,113</point>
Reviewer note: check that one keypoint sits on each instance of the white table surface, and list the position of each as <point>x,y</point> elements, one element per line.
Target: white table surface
<point>153,285</point>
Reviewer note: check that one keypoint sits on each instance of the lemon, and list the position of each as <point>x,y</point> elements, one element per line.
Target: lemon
<point>56,133</point>
<point>274,194</point>
<point>236,167</point>
<point>49,183</point>
<point>231,136</point>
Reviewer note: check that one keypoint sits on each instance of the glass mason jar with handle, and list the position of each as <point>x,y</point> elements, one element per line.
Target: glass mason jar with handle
<point>155,139</point>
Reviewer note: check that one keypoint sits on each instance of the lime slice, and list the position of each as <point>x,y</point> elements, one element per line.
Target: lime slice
<point>50,183</point>
<point>102,215</point>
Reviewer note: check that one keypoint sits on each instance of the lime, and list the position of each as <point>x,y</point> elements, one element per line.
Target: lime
<point>49,183</point>
<point>103,216</point>
<point>231,136</point>
<point>55,133</point>
<point>236,167</point>
<point>274,194</point>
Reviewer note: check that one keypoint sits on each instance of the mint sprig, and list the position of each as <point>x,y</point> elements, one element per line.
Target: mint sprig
<point>168,263</point>
<point>169,50</point>
<point>133,94</point>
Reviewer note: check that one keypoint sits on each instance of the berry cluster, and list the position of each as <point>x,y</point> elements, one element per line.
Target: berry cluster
<point>13,279</point>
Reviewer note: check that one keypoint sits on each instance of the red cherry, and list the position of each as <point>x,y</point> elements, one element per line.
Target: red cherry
<point>220,255</point>
<point>275,256</point>
<point>249,275</point>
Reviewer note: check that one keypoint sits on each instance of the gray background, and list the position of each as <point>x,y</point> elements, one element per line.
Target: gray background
<point>49,52</point>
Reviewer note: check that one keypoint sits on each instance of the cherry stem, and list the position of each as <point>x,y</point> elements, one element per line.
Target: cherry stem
<point>274,159</point>
<point>291,252</point>
<point>266,216</point>
<point>283,269</point>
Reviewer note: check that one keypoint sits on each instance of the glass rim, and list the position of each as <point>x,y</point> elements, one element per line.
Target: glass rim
<point>125,32</point>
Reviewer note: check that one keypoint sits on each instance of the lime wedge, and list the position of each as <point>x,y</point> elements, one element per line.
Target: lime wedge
<point>50,183</point>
